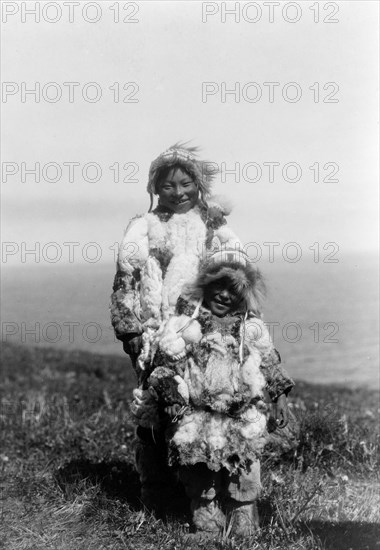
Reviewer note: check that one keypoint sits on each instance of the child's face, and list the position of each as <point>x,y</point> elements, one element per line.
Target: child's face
<point>178,192</point>
<point>221,298</point>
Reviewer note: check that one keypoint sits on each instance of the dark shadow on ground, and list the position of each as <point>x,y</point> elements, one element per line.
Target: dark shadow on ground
<point>118,480</point>
<point>346,535</point>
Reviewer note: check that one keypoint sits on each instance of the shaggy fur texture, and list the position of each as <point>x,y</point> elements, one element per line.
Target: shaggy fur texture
<point>224,425</point>
<point>247,281</point>
<point>180,241</point>
<point>218,440</point>
<point>157,258</point>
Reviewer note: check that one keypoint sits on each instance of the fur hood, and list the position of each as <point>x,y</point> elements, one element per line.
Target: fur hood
<point>235,266</point>
<point>178,155</point>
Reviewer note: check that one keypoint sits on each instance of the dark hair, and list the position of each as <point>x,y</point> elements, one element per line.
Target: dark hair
<point>163,172</point>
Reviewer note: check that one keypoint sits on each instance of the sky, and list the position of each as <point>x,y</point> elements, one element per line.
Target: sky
<point>165,58</point>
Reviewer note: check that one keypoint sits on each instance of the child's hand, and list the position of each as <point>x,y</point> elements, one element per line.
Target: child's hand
<point>172,410</point>
<point>280,411</point>
<point>144,408</point>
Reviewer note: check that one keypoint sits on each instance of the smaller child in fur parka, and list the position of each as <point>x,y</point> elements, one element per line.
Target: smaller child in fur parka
<point>211,382</point>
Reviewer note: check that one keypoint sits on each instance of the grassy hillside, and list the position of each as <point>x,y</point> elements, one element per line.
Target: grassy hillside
<point>69,483</point>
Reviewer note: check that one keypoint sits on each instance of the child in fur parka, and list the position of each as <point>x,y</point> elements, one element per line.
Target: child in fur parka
<point>161,250</point>
<point>159,254</point>
<point>213,355</point>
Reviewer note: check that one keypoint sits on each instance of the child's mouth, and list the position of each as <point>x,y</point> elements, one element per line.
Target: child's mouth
<point>183,201</point>
<point>222,305</point>
<point>221,302</point>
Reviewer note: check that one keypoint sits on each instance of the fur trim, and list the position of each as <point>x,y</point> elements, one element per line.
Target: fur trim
<point>134,248</point>
<point>247,281</point>
<point>221,204</point>
<point>227,239</point>
<point>182,239</point>
<point>179,155</point>
<point>179,244</point>
<point>218,440</point>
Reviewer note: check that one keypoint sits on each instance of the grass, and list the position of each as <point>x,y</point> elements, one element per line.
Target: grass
<point>68,480</point>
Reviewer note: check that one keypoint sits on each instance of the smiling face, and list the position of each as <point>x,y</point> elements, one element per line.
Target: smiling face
<point>221,298</point>
<point>177,191</point>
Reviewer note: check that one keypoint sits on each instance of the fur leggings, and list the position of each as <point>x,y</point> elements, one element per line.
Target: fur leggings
<point>220,500</point>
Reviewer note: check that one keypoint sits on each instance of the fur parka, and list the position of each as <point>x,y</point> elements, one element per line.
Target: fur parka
<point>159,255</point>
<point>224,423</point>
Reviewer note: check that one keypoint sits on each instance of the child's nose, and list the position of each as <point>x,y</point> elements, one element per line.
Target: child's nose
<point>178,191</point>
<point>224,294</point>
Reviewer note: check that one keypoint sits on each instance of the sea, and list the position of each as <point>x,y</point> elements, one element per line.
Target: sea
<point>323,316</point>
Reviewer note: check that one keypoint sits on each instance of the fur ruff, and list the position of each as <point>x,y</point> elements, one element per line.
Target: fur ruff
<point>247,281</point>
